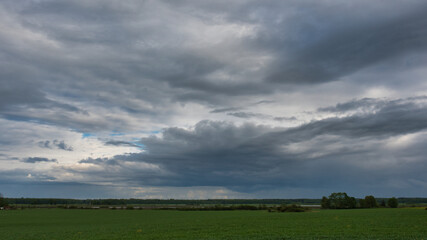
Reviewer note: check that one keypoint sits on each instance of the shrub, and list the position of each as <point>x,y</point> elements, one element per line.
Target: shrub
<point>292,208</point>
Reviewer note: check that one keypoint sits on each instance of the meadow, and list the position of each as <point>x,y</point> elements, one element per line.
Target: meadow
<point>380,223</point>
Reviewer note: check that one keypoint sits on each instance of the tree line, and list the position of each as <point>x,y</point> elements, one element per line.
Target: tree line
<point>120,202</point>
<point>335,200</point>
<point>341,200</point>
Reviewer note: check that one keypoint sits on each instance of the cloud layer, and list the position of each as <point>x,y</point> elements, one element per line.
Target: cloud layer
<point>245,99</point>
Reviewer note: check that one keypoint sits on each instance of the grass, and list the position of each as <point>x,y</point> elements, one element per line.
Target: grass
<point>405,223</point>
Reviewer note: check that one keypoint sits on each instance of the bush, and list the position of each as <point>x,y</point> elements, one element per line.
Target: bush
<point>292,208</point>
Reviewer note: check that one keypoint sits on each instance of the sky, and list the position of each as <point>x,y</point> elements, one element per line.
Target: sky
<point>194,99</point>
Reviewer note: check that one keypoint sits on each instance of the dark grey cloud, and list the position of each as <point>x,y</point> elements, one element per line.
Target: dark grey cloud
<point>55,144</point>
<point>348,50</point>
<point>133,61</point>
<point>122,143</point>
<point>228,109</point>
<point>247,115</point>
<point>365,103</point>
<point>235,109</point>
<point>252,157</point>
<point>397,117</point>
<point>285,118</point>
<point>369,104</point>
<point>324,42</point>
<point>100,161</point>
<point>21,94</point>
<point>62,145</point>
<point>263,102</point>
<point>38,159</point>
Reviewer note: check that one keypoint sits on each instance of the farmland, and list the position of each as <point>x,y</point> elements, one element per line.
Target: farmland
<point>382,223</point>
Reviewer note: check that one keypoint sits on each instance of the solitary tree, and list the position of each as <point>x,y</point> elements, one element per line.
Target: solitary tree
<point>392,202</point>
<point>370,202</point>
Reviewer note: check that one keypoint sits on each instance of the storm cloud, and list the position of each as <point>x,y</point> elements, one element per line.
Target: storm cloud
<point>251,157</point>
<point>350,50</point>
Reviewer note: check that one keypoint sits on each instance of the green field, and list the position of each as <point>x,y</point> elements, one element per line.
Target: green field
<point>405,223</point>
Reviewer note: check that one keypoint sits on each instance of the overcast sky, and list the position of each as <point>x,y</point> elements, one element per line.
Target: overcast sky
<point>213,99</point>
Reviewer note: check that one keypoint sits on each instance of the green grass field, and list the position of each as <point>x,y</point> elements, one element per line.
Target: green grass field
<point>406,223</point>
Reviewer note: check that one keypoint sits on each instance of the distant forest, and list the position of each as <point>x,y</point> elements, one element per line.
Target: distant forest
<point>118,202</point>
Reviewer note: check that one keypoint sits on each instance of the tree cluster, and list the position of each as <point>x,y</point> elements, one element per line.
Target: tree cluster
<point>341,200</point>
<point>338,200</point>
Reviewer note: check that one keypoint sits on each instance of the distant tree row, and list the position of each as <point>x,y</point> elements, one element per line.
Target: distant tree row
<point>121,202</point>
<point>334,201</point>
<point>341,200</point>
